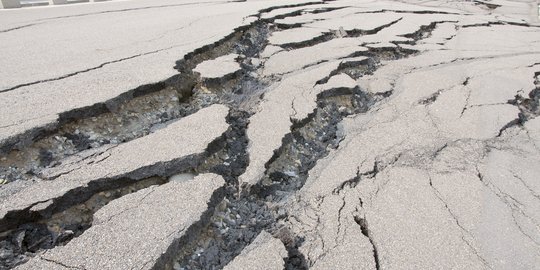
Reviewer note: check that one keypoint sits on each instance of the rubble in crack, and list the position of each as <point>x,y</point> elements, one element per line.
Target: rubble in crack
<point>64,206</point>
<point>332,134</point>
<point>264,247</point>
<point>61,227</point>
<point>143,111</point>
<point>243,214</point>
<point>119,222</point>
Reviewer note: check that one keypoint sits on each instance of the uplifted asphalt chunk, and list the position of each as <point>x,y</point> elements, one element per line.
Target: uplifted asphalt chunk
<point>178,146</point>
<point>290,100</point>
<point>266,252</point>
<point>219,67</point>
<point>139,230</point>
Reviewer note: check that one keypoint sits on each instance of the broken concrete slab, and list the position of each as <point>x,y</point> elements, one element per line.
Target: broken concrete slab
<point>289,99</point>
<point>266,252</point>
<point>341,80</point>
<point>289,61</point>
<point>179,145</point>
<point>140,229</point>
<point>219,67</point>
<point>295,36</point>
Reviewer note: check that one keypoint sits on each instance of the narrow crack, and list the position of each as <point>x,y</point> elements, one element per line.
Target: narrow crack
<point>358,32</point>
<point>339,219</point>
<point>489,24</point>
<point>513,205</point>
<point>456,220</point>
<point>410,12</point>
<point>378,166</point>
<point>17,28</point>
<point>84,70</point>
<point>61,264</point>
<point>267,10</point>
<point>308,43</point>
<point>362,222</point>
<point>524,183</point>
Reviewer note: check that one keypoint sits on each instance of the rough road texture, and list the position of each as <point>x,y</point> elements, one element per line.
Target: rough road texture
<point>343,134</point>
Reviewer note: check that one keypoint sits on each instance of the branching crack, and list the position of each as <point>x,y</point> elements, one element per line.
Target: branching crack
<point>465,232</point>
<point>525,185</point>
<point>513,204</point>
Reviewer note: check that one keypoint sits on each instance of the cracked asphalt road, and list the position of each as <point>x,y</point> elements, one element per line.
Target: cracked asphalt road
<point>344,134</point>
